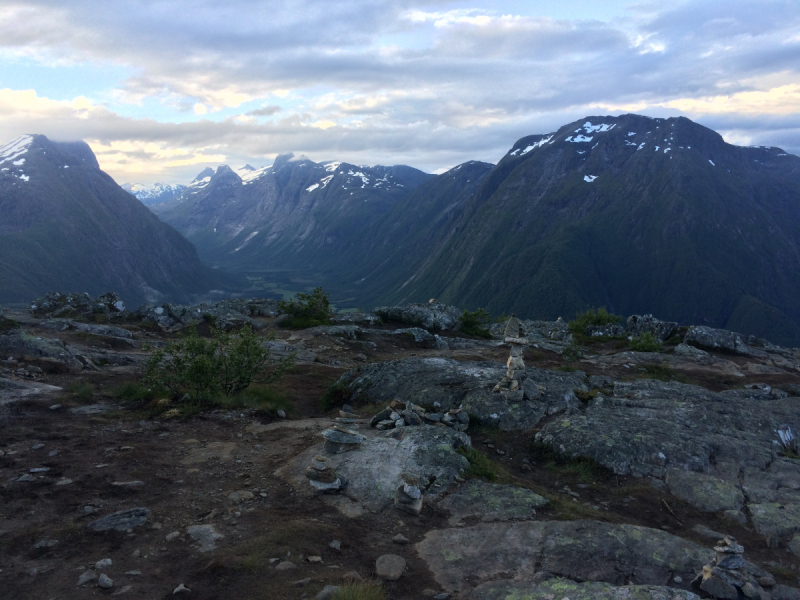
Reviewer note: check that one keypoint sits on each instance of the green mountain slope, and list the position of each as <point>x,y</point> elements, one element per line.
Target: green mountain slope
<point>68,226</point>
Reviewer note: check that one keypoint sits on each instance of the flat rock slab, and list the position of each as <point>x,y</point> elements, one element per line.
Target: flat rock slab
<point>578,550</point>
<point>454,383</point>
<point>649,426</point>
<point>703,491</point>
<point>390,567</point>
<point>492,502</point>
<point>92,409</point>
<point>205,535</point>
<point>12,390</point>
<point>121,521</point>
<point>564,588</point>
<point>775,519</point>
<point>373,471</point>
<point>222,451</point>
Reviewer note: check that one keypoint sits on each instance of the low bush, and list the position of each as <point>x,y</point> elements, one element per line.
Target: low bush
<point>591,317</point>
<point>647,342</point>
<point>81,391</point>
<point>306,310</point>
<point>571,353</point>
<point>479,465</point>
<point>475,323</point>
<point>361,590</point>
<point>224,364</point>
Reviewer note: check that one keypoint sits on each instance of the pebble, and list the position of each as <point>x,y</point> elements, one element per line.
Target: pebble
<point>124,590</point>
<point>327,593</point>
<point>442,596</point>
<point>302,582</point>
<point>52,453</point>
<point>390,567</point>
<point>400,539</point>
<point>46,544</point>
<point>172,536</point>
<point>105,582</point>
<point>281,413</point>
<point>40,470</point>
<point>86,577</point>
<point>285,566</point>
<point>25,477</point>
<point>37,446</point>
<point>136,572</point>
<point>336,545</point>
<point>103,564</point>
<point>55,407</point>
<point>181,589</point>
<point>314,559</point>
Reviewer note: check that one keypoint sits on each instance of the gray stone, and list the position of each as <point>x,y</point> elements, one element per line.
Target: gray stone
<point>492,502</point>
<point>794,545</point>
<point>705,492</point>
<point>341,437</point>
<point>719,339</point>
<point>774,519</point>
<point>181,589</point>
<point>205,535</point>
<point>327,593</point>
<point>105,582</point>
<point>639,324</point>
<point>719,588</point>
<point>564,588</point>
<point>707,533</point>
<point>390,567</point>
<point>45,544</point>
<point>400,539</point>
<point>285,566</point>
<point>103,563</point>
<point>87,577</point>
<point>579,550</point>
<point>406,503</point>
<point>122,520</point>
<point>429,316</point>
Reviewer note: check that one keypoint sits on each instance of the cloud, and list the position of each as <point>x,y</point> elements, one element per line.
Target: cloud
<point>264,111</point>
<point>426,83</point>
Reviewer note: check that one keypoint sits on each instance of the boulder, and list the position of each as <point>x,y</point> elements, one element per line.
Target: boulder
<point>390,567</point>
<point>433,317</point>
<point>22,344</point>
<point>774,519</point>
<point>578,550</point>
<point>722,339</point>
<point>469,385</point>
<point>705,492</point>
<point>426,454</point>
<point>492,502</point>
<point>564,588</point>
<point>639,324</point>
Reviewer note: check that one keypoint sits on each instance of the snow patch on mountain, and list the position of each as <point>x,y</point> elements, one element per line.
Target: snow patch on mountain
<point>15,148</point>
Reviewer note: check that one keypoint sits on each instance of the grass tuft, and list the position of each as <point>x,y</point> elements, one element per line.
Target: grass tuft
<point>81,391</point>
<point>362,590</point>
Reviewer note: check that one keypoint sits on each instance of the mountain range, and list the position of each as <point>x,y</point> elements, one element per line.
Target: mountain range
<point>67,226</point>
<point>631,213</point>
<point>153,194</point>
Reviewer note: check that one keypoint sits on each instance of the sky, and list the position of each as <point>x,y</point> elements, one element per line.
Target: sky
<point>160,89</point>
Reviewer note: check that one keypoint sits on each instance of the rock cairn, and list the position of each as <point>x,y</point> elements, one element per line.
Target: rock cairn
<point>347,417</point>
<point>515,385</point>
<point>408,414</point>
<point>408,498</point>
<point>341,438</point>
<point>725,576</point>
<point>322,476</point>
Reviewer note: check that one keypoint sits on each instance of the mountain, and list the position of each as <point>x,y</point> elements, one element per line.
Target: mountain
<point>153,194</point>
<point>632,213</point>
<point>295,215</point>
<point>67,226</point>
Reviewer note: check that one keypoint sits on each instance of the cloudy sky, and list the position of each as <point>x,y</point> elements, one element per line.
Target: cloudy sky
<point>162,88</point>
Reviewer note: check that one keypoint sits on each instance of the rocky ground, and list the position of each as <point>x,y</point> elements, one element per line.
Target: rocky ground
<point>614,475</point>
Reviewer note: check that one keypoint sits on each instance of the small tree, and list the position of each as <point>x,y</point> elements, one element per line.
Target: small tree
<point>475,323</point>
<point>225,363</point>
<point>307,310</point>
<point>647,342</point>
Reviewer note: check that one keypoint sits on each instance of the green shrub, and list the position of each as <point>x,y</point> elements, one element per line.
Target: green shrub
<point>592,317</point>
<point>362,590</point>
<point>307,310</point>
<point>646,342</point>
<point>225,363</point>
<point>474,323</point>
<point>258,397</point>
<point>571,353</point>
<point>336,395</point>
<point>81,391</point>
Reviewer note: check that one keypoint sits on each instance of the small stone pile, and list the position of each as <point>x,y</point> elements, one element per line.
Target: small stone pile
<point>347,416</point>
<point>408,414</point>
<point>515,385</point>
<point>340,439</point>
<point>322,476</point>
<point>725,575</point>
<point>408,498</point>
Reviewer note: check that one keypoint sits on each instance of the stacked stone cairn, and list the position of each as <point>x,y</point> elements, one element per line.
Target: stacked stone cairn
<point>515,385</point>
<point>347,416</point>
<point>322,476</point>
<point>408,498</point>
<point>725,576</point>
<point>408,414</point>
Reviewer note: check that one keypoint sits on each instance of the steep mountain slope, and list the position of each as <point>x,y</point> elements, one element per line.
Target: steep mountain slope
<point>153,194</point>
<point>633,213</point>
<point>295,214</point>
<point>67,226</point>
